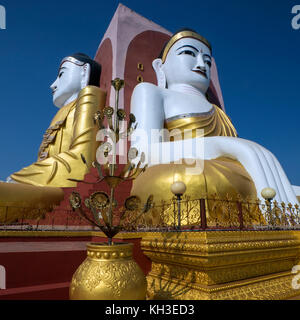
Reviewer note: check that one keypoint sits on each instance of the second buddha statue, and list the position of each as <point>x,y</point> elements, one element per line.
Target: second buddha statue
<point>231,165</point>
<point>72,132</point>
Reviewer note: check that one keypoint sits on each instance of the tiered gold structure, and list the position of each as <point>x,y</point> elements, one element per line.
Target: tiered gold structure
<point>222,265</point>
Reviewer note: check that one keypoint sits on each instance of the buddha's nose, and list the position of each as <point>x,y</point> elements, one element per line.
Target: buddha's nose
<point>200,63</point>
<point>53,86</point>
<point>201,68</point>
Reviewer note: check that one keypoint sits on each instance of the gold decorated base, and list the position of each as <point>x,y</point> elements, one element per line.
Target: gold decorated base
<point>108,273</point>
<point>218,265</point>
<point>277,287</point>
<point>21,201</point>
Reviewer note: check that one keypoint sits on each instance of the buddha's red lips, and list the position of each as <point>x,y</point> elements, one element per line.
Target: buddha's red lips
<point>200,72</point>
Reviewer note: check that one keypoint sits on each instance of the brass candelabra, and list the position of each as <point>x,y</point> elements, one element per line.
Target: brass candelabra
<point>106,214</point>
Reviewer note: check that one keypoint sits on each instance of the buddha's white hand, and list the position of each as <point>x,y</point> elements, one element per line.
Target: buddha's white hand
<point>261,164</point>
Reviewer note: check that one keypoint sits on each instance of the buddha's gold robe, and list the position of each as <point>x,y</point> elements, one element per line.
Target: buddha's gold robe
<point>72,132</point>
<point>222,177</point>
<point>213,123</point>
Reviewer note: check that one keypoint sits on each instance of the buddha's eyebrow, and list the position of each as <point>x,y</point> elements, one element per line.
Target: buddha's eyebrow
<point>60,69</point>
<point>189,47</point>
<point>207,56</point>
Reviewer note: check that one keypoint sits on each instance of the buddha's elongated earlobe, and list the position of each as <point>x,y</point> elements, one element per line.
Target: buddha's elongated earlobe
<point>160,75</point>
<point>86,72</point>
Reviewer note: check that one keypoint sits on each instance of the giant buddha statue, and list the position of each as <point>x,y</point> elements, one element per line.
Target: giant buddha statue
<point>34,190</point>
<point>72,131</point>
<point>227,165</point>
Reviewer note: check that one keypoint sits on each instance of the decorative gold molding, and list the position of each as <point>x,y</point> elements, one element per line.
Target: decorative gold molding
<point>222,264</point>
<point>277,287</point>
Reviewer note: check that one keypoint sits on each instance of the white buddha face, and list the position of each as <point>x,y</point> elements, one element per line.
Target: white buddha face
<point>188,62</point>
<point>71,79</point>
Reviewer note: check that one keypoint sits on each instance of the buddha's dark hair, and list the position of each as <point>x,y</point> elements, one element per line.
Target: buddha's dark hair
<point>178,31</point>
<point>95,68</point>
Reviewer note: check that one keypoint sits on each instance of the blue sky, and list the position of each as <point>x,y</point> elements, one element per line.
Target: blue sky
<point>256,49</point>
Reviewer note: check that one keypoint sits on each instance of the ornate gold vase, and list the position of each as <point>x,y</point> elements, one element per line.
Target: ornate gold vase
<point>108,273</point>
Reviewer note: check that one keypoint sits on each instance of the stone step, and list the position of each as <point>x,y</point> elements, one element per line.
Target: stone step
<point>56,291</point>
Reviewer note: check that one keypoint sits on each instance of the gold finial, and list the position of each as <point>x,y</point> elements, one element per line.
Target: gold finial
<point>118,84</point>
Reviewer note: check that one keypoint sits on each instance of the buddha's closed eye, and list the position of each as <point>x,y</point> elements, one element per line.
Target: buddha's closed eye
<point>61,74</point>
<point>189,52</point>
<point>208,62</point>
